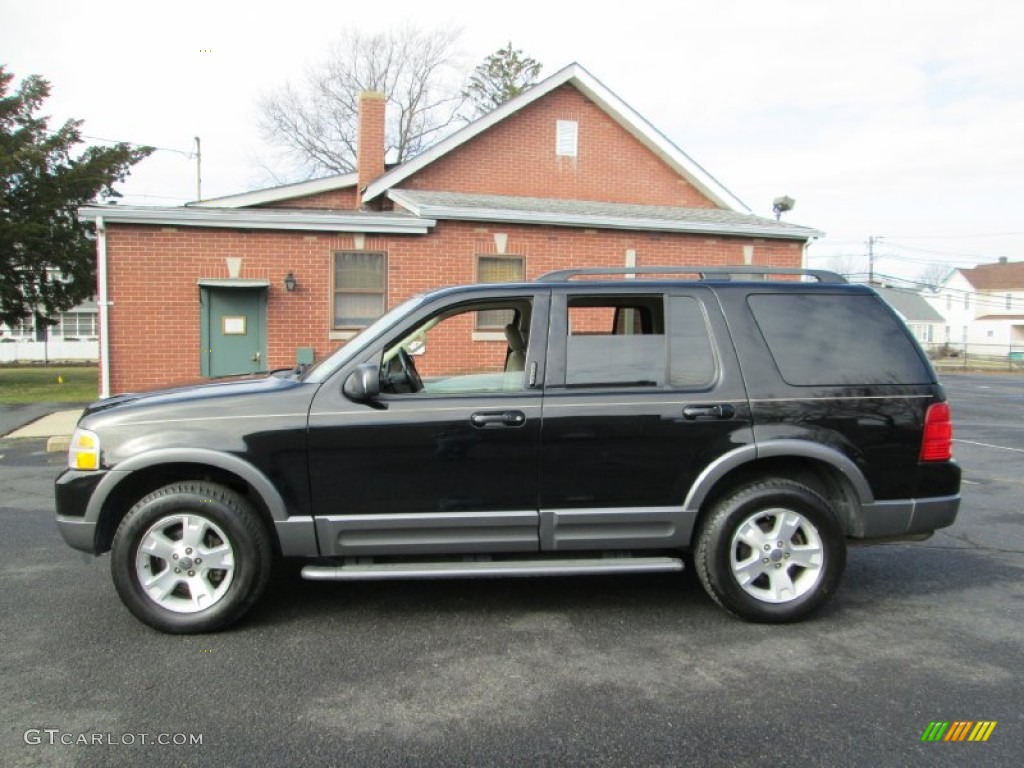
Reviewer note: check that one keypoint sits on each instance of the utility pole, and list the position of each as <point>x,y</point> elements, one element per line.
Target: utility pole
<point>199,177</point>
<point>871,258</point>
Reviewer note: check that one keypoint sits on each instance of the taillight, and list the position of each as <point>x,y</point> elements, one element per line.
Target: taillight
<point>937,442</point>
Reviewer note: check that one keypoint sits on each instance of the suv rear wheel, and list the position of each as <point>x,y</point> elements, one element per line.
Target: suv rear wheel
<point>190,557</point>
<point>771,551</point>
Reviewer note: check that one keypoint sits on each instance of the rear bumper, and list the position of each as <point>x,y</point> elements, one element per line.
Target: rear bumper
<point>905,517</point>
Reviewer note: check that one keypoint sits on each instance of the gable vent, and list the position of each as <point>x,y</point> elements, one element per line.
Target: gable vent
<point>566,138</point>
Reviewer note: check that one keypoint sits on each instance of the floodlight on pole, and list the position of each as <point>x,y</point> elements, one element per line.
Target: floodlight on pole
<point>782,204</point>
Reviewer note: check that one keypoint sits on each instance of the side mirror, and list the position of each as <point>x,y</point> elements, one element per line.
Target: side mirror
<point>363,384</point>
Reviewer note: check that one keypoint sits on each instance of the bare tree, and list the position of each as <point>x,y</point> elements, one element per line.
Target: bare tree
<point>315,123</point>
<point>934,275</point>
<point>850,265</point>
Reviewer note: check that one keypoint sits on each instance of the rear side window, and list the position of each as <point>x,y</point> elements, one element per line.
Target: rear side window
<point>622,342</point>
<point>615,341</point>
<point>837,339</point>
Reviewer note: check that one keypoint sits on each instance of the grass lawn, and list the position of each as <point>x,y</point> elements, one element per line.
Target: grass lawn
<point>48,384</point>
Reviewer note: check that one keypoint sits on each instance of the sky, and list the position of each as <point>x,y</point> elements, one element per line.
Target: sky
<point>901,120</point>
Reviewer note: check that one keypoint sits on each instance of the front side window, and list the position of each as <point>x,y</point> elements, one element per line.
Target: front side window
<point>360,288</point>
<point>439,356</point>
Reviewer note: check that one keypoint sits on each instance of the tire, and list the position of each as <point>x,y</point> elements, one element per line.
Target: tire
<point>158,554</point>
<point>770,552</point>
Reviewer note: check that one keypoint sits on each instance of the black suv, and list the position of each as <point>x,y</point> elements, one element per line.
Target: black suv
<point>752,419</point>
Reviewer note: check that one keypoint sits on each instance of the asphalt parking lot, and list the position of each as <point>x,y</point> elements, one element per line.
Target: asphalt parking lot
<point>637,670</point>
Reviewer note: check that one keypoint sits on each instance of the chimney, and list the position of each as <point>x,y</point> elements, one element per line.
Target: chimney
<point>1003,260</point>
<point>370,154</point>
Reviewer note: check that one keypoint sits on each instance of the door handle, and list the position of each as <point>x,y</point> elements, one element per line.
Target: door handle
<point>257,356</point>
<point>708,412</point>
<point>483,419</point>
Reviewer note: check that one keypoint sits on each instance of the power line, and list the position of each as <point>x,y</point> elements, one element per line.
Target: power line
<point>188,154</point>
<point>975,256</point>
<point>975,298</point>
<point>958,237</point>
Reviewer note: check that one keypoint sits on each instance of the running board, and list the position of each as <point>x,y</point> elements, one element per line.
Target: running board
<point>476,569</point>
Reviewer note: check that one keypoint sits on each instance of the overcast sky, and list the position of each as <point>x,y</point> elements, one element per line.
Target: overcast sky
<point>902,119</point>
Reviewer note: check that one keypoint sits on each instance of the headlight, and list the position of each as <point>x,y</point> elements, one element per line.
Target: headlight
<point>84,451</point>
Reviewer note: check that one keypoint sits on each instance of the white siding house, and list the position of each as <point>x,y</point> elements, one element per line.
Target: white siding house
<point>983,307</point>
<point>74,337</point>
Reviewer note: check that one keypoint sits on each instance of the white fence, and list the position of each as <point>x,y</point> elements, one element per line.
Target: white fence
<point>24,351</point>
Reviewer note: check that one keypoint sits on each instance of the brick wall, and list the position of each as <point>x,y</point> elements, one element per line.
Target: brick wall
<point>517,157</point>
<point>154,274</point>
<point>336,199</point>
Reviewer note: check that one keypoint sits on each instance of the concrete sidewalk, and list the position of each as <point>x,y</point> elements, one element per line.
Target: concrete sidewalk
<point>56,426</point>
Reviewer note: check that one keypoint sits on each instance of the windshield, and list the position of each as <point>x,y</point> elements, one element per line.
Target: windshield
<point>324,368</point>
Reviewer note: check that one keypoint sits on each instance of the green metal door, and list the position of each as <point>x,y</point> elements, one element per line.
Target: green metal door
<point>233,330</point>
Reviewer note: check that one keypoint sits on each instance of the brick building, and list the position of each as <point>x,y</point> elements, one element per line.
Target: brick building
<point>564,175</point>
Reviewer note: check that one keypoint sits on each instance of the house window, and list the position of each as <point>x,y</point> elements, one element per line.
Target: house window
<point>78,325</point>
<point>1009,301</point>
<point>24,329</point>
<point>566,138</point>
<point>497,269</point>
<point>360,288</point>
<point>967,301</point>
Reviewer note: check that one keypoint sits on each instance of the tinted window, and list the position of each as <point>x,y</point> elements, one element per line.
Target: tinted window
<point>612,342</point>
<point>837,339</point>
<point>690,351</point>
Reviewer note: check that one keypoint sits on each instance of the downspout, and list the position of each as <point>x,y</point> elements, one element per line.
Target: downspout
<point>803,252</point>
<point>101,279</point>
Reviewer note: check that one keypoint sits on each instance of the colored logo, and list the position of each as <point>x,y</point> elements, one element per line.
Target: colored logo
<point>958,730</point>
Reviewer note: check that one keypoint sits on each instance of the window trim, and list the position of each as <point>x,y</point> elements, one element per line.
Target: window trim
<point>335,328</point>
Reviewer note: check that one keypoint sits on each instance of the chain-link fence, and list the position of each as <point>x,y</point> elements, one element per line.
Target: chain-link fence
<point>976,357</point>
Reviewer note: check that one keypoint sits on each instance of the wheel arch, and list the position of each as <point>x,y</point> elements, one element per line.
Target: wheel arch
<point>139,475</point>
<point>830,473</point>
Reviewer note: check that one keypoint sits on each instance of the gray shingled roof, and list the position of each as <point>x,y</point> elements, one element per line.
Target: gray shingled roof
<point>587,213</point>
<point>911,305</point>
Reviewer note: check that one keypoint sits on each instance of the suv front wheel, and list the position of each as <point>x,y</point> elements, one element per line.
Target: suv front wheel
<point>771,551</point>
<point>190,557</point>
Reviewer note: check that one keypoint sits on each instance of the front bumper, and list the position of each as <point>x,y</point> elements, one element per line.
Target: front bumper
<point>78,533</point>
<point>72,493</point>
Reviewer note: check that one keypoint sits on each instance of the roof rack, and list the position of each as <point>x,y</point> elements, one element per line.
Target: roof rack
<point>717,273</point>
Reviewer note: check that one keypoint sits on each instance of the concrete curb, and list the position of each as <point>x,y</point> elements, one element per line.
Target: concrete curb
<point>58,444</point>
<point>56,427</point>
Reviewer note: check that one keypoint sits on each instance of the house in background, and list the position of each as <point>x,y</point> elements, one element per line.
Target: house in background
<point>564,175</point>
<point>920,317</point>
<point>74,338</point>
<point>983,308</point>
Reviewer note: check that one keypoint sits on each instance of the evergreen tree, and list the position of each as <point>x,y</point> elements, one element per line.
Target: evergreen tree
<point>504,74</point>
<point>47,258</point>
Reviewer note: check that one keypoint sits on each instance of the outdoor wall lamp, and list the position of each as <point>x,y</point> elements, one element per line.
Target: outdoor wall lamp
<point>290,282</point>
